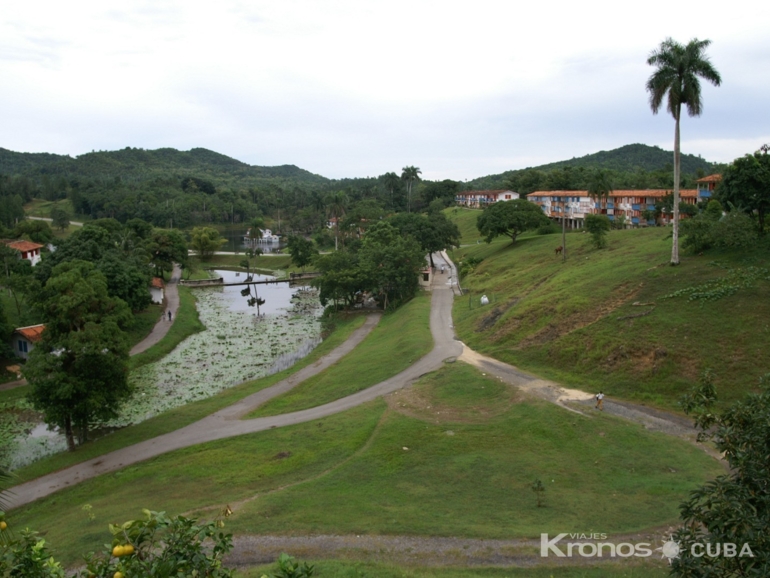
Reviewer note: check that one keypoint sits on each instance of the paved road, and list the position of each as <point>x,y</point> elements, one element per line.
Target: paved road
<point>161,327</point>
<point>49,220</point>
<point>227,422</point>
<point>158,332</point>
<point>224,423</point>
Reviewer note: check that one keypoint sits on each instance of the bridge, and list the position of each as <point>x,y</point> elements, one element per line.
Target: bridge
<point>220,282</point>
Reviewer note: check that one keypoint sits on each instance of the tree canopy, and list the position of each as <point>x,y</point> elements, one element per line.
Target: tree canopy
<point>510,218</point>
<point>205,241</point>
<point>746,185</point>
<point>735,507</point>
<point>78,372</point>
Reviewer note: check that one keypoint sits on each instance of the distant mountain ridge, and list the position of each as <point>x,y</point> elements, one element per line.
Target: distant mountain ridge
<point>136,165</point>
<point>143,164</point>
<point>628,158</point>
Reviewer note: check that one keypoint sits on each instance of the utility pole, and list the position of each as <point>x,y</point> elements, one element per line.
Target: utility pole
<point>564,232</point>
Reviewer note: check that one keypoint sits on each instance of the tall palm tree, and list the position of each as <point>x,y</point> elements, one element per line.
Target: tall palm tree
<point>390,181</point>
<point>600,186</point>
<point>336,203</point>
<point>410,175</point>
<point>676,77</point>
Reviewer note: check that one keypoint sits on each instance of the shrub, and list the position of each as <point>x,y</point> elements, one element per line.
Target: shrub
<point>155,546</point>
<point>598,225</point>
<point>734,230</point>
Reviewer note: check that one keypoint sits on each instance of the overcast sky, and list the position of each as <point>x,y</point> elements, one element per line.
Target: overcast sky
<point>359,88</point>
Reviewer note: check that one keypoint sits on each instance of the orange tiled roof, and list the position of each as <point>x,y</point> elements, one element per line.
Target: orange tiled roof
<point>493,192</point>
<point>710,179</point>
<point>33,332</point>
<point>619,193</point>
<point>23,245</point>
<point>157,282</point>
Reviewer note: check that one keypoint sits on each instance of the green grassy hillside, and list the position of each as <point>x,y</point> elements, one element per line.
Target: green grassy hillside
<point>453,456</point>
<point>600,320</point>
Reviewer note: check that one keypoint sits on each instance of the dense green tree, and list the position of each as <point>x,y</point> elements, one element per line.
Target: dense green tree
<point>734,507</point>
<point>746,184</point>
<point>510,218</point>
<point>60,219</point>
<point>445,190</point>
<point>78,372</point>
<point>166,247</point>
<point>598,226</point>
<point>676,79</point>
<point>336,205</point>
<point>391,263</point>
<point>37,231</point>
<point>302,251</point>
<point>600,186</point>
<point>205,241</point>
<point>127,272</point>
<point>434,232</point>
<point>341,278</point>
<point>410,175</point>
<point>392,183</point>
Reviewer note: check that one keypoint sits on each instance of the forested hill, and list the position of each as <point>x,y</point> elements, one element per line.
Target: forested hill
<point>136,165</point>
<point>633,158</point>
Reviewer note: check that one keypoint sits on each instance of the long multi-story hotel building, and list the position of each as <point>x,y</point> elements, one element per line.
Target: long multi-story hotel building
<point>630,204</point>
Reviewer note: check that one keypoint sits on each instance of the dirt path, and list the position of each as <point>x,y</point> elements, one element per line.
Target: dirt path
<point>424,550</point>
<point>161,327</point>
<point>227,422</point>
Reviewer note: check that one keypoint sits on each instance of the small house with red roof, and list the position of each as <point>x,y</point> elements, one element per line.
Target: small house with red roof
<point>27,250</point>
<point>157,290</point>
<point>24,339</point>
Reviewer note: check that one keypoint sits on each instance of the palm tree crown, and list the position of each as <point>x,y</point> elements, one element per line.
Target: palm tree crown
<point>678,69</point>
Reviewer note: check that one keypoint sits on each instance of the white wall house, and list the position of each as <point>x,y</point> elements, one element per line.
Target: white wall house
<point>481,199</point>
<point>27,250</point>
<point>157,290</point>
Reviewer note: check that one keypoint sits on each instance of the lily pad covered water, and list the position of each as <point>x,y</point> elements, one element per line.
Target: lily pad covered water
<point>236,346</point>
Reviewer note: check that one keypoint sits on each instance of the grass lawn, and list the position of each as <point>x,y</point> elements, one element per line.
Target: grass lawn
<point>454,456</point>
<point>399,340</point>
<point>181,416</point>
<point>351,569</point>
<point>185,324</point>
<point>144,321</point>
<point>42,208</point>
<point>576,322</point>
<point>270,263</point>
<point>465,219</point>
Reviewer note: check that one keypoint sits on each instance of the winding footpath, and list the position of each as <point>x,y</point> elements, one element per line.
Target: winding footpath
<point>228,423</point>
<point>161,327</point>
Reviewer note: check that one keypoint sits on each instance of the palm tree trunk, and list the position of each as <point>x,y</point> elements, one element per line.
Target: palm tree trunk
<point>675,231</point>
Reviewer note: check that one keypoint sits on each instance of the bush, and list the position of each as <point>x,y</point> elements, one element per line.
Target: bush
<point>156,546</point>
<point>598,225</point>
<point>734,230</point>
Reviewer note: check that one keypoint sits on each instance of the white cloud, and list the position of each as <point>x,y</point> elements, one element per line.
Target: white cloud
<point>350,88</point>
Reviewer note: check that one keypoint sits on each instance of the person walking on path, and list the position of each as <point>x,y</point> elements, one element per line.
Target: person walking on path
<point>599,401</point>
<point>166,320</point>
